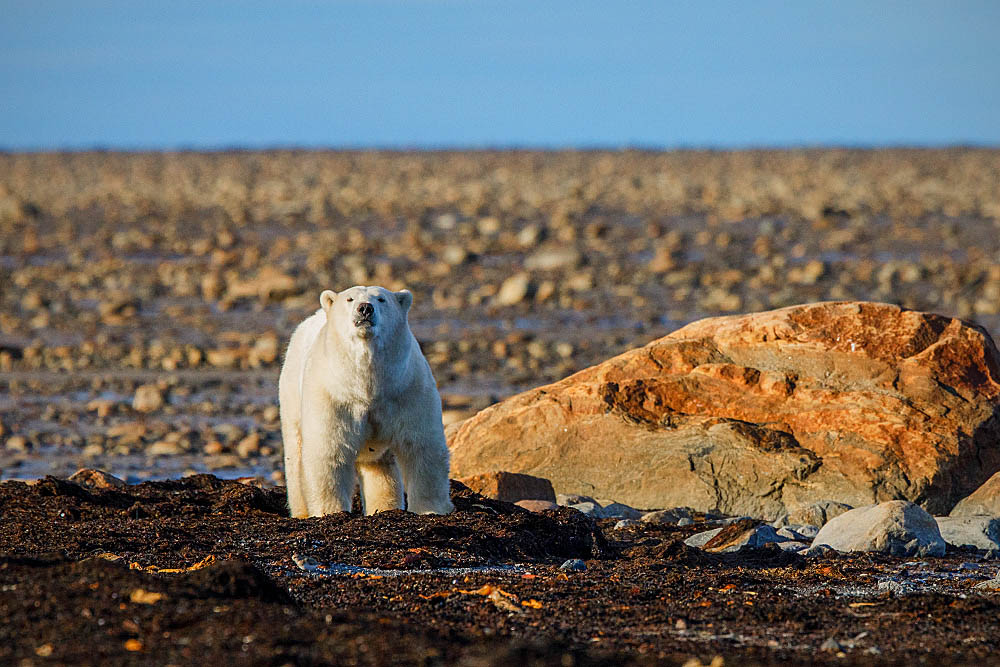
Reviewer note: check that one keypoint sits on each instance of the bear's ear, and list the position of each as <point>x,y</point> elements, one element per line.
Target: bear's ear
<point>327,298</point>
<point>404,298</point>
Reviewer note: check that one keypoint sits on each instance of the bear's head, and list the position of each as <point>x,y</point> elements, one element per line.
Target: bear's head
<point>366,313</point>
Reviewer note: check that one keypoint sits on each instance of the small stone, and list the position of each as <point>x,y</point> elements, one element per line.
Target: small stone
<point>213,447</point>
<point>17,443</point>
<point>626,523</point>
<point>669,517</point>
<point>92,478</point>
<point>790,534</point>
<point>223,461</point>
<point>248,446</point>
<point>830,644</point>
<point>573,499</point>
<point>590,509</point>
<point>549,259</point>
<point>265,350</point>
<point>453,255</point>
<point>230,432</point>
<point>537,505</point>
<point>573,565</point>
<point>699,540</point>
<point>618,511</point>
<point>514,290</point>
<point>148,398</point>
<point>270,414</point>
<point>164,448</point>
<point>102,406</point>
<point>819,550</point>
<point>816,514</point>
<point>127,433</point>
<point>92,451</point>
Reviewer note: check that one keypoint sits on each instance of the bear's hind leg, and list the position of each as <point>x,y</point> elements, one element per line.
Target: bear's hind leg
<point>381,485</point>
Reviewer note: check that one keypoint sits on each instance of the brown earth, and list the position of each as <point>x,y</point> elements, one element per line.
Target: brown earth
<point>204,570</point>
<point>762,414</point>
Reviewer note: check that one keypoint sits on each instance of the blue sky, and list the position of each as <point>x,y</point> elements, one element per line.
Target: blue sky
<point>437,73</point>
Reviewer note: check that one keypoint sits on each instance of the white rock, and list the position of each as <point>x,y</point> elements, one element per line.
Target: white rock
<point>513,290</point>
<point>896,527</point>
<point>148,398</point>
<point>756,536</point>
<point>982,532</point>
<point>549,259</point>
<point>700,539</point>
<point>587,508</point>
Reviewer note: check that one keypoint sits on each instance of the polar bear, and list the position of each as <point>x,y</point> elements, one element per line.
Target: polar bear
<point>357,397</point>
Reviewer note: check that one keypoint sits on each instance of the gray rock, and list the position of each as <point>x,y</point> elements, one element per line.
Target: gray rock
<point>816,514</point>
<point>573,565</point>
<point>982,532</point>
<point>807,531</point>
<point>671,516</point>
<point>626,523</point>
<point>895,527</point>
<point>983,501</point>
<point>590,509</point>
<point>830,644</point>
<point>753,536</point>
<point>819,550</point>
<point>573,499</point>
<point>685,521</point>
<point>618,511</point>
<point>733,519</point>
<point>793,535</point>
<point>698,540</point>
<point>793,546</point>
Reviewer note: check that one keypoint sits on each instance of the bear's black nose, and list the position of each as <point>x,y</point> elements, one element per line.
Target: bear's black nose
<point>366,310</point>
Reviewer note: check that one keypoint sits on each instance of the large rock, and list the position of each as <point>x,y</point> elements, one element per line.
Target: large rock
<point>896,527</point>
<point>984,500</point>
<point>982,532</point>
<point>761,414</point>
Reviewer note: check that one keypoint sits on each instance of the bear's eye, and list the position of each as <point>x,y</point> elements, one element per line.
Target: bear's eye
<point>349,299</point>
<point>382,299</point>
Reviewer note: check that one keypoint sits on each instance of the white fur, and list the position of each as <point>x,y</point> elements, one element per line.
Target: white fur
<point>359,400</point>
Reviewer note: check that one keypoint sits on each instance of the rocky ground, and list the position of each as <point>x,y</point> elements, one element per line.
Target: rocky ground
<point>145,300</point>
<point>209,570</point>
<point>184,273</point>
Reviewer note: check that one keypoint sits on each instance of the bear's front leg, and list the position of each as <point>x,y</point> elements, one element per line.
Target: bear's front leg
<point>425,473</point>
<point>330,441</point>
